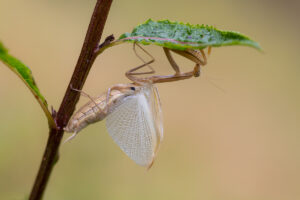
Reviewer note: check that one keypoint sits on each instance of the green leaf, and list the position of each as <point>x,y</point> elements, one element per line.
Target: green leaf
<point>180,36</point>
<point>26,76</point>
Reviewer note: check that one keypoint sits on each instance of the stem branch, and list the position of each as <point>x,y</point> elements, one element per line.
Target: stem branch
<point>85,61</point>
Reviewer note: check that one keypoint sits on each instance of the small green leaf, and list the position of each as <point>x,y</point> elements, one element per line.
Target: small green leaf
<point>180,36</point>
<point>3,50</point>
<point>26,76</point>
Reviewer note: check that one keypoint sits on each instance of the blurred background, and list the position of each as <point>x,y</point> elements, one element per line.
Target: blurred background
<point>231,134</point>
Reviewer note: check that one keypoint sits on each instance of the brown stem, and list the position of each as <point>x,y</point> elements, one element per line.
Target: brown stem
<point>67,107</point>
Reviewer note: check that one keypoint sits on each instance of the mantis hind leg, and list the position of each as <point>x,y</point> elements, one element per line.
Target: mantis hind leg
<point>132,73</point>
<point>152,71</point>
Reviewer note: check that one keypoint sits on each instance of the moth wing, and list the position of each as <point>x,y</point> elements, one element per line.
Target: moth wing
<point>132,127</point>
<point>157,112</point>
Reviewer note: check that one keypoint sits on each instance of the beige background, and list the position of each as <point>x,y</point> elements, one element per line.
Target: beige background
<point>232,134</point>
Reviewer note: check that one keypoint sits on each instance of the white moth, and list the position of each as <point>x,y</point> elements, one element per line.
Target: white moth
<point>133,120</point>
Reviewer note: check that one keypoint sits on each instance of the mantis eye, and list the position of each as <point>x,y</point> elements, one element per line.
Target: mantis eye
<point>132,88</point>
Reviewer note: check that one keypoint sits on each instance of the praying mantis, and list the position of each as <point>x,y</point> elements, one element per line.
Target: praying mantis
<point>133,111</point>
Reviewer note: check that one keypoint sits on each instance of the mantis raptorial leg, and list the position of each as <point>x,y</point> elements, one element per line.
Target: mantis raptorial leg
<point>119,87</point>
<point>171,61</point>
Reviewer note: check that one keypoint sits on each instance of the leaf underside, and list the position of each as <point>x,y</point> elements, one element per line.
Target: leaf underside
<point>180,36</point>
<point>26,76</point>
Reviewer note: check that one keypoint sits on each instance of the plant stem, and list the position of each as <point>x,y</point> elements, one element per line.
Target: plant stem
<point>85,61</point>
